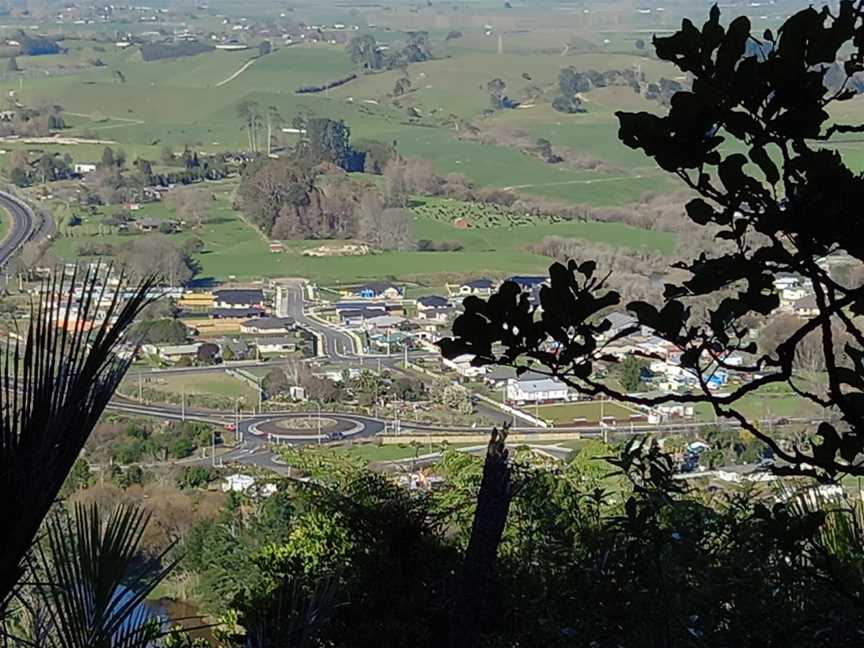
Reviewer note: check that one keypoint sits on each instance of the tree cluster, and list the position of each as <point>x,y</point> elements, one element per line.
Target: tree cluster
<point>168,50</point>
<point>367,53</point>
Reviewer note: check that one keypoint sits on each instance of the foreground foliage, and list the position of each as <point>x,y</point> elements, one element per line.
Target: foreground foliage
<point>351,559</point>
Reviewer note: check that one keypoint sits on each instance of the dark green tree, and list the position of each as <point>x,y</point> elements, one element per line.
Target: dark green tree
<point>779,201</point>
<point>364,52</point>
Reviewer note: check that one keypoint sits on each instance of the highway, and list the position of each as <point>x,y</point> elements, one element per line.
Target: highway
<point>22,226</point>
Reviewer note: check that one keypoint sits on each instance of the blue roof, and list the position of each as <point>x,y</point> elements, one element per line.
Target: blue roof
<point>527,282</point>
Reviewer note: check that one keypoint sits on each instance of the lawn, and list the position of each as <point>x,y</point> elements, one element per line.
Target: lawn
<point>371,452</point>
<point>565,414</point>
<point>217,384</point>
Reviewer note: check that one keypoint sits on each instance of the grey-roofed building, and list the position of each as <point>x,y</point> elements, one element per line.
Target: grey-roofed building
<point>268,326</point>
<point>431,302</point>
<point>240,299</point>
<point>537,390</point>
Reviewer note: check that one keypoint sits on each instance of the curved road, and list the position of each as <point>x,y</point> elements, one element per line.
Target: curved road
<point>22,226</point>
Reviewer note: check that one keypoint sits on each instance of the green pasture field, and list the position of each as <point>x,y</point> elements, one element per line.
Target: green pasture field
<point>179,103</point>
<point>765,406</point>
<point>233,248</point>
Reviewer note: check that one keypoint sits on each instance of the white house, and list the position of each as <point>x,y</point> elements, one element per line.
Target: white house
<point>462,365</point>
<point>543,390</point>
<point>792,295</point>
<point>481,287</point>
<point>276,345</point>
<point>172,353</point>
<point>238,483</point>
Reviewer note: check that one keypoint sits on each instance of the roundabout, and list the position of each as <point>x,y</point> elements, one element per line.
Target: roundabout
<point>306,428</point>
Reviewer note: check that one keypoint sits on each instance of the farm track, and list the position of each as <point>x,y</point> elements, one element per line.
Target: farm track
<point>245,67</point>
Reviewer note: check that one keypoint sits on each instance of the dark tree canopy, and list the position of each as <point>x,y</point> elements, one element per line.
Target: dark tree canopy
<point>748,141</point>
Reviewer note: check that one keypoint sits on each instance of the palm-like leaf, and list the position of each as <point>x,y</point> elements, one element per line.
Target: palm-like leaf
<point>91,588</point>
<point>55,386</point>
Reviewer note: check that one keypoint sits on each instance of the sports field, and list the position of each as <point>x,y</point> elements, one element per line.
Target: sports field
<point>216,384</point>
<point>582,412</point>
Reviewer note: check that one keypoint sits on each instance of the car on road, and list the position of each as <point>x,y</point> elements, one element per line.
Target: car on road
<point>335,436</point>
<point>230,427</point>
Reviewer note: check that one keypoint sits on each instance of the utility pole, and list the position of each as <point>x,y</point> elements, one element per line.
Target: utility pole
<point>213,448</point>
<point>140,388</point>
<point>238,437</point>
<point>183,403</point>
<point>405,363</point>
<point>318,403</point>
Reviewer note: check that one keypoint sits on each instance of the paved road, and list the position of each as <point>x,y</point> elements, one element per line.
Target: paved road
<point>23,223</point>
<point>337,343</point>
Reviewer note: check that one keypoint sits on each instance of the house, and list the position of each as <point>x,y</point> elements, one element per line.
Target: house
<point>268,326</point>
<point>238,299</point>
<point>276,345</point>
<point>376,291</point>
<point>432,302</point>
<point>238,483</point>
<point>462,365</point>
<point>238,313</point>
<point>498,377</point>
<point>156,225</point>
<point>793,295</point>
<point>437,314</point>
<point>481,287</point>
<point>619,323</point>
<point>533,389</point>
<point>83,168</point>
<point>175,352</point>
<point>383,322</point>
<point>806,307</point>
<point>528,283</point>
<point>384,307</point>
<point>391,340</point>
<point>786,281</point>
<point>202,301</point>
<point>356,317</point>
